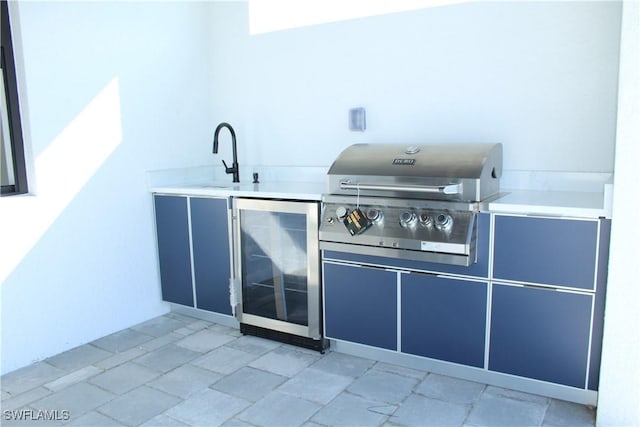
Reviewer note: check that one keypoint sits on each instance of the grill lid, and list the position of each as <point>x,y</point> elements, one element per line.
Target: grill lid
<point>468,172</point>
<point>441,160</point>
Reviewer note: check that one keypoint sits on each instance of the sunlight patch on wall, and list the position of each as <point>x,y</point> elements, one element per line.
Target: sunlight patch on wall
<point>62,170</point>
<point>274,15</point>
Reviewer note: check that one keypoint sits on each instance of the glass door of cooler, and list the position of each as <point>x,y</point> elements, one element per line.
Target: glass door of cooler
<point>277,262</point>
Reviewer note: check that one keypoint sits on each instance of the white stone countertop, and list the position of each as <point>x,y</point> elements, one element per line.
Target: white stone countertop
<point>552,203</point>
<point>568,195</point>
<point>523,202</point>
<point>268,190</point>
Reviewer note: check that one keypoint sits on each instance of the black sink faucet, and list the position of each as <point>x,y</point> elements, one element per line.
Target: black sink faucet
<point>234,169</point>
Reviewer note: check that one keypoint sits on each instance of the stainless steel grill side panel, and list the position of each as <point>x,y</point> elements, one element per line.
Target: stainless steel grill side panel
<point>475,168</point>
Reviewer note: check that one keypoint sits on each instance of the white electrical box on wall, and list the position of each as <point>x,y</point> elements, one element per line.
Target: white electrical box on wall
<point>357,120</point>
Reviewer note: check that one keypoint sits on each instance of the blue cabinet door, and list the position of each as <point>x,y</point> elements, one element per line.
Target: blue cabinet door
<point>540,333</point>
<point>172,229</point>
<point>548,251</point>
<point>211,259</point>
<point>361,305</point>
<point>444,318</point>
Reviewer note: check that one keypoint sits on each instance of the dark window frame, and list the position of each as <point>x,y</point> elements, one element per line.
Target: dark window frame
<point>13,107</point>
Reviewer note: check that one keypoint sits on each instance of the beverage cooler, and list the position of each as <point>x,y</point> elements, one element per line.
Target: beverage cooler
<point>277,270</point>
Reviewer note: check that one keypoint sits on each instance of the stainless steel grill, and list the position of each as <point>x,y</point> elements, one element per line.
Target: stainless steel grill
<point>416,202</point>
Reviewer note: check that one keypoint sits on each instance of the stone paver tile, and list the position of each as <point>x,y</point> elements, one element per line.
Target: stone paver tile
<point>198,324</point>
<point>164,420</point>
<point>383,386</point>
<point>77,399</point>
<point>343,364</point>
<point>159,326</point>
<point>234,422</point>
<point>185,380</point>
<point>207,408</point>
<point>350,410</point>
<point>193,327</point>
<point>25,398</point>
<point>225,330</point>
<point>184,331</point>
<point>205,340</point>
<point>316,386</point>
<point>501,411</point>
<point>421,411</point>
<point>78,357</point>
<point>73,377</point>
<point>224,360</point>
<point>254,345</point>
<point>122,340</point>
<point>156,343</point>
<point>567,414</point>
<point>120,358</point>
<point>450,389</point>
<point>123,378</point>
<point>138,405</point>
<point>284,361</point>
<point>180,316</point>
<point>93,419</point>
<point>29,377</point>
<point>400,370</point>
<point>495,391</point>
<point>249,383</point>
<point>279,409</point>
<point>166,358</point>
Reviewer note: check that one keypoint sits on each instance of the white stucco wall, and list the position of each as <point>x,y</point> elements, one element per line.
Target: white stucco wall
<point>109,90</point>
<point>619,396</point>
<point>540,77</point>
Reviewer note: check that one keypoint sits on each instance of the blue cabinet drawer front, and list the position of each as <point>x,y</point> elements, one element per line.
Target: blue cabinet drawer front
<point>444,318</point>
<point>211,260</point>
<point>541,334</point>
<point>547,251</point>
<point>361,305</point>
<point>174,254</point>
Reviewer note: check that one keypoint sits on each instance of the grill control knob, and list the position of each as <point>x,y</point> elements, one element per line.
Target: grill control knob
<point>375,215</point>
<point>341,212</point>
<point>444,222</point>
<point>408,219</point>
<point>426,220</point>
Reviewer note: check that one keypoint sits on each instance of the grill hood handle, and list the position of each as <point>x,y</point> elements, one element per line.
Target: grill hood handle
<point>428,189</point>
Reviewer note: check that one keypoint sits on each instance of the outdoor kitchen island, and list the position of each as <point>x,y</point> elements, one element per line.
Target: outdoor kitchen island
<point>527,315</point>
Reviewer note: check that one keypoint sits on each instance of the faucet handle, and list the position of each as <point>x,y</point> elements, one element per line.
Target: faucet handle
<point>228,169</point>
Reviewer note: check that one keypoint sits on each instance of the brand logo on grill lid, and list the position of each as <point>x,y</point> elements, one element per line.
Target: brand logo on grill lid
<point>404,162</point>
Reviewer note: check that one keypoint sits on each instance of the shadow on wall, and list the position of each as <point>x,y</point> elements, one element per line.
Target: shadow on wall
<point>89,139</point>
